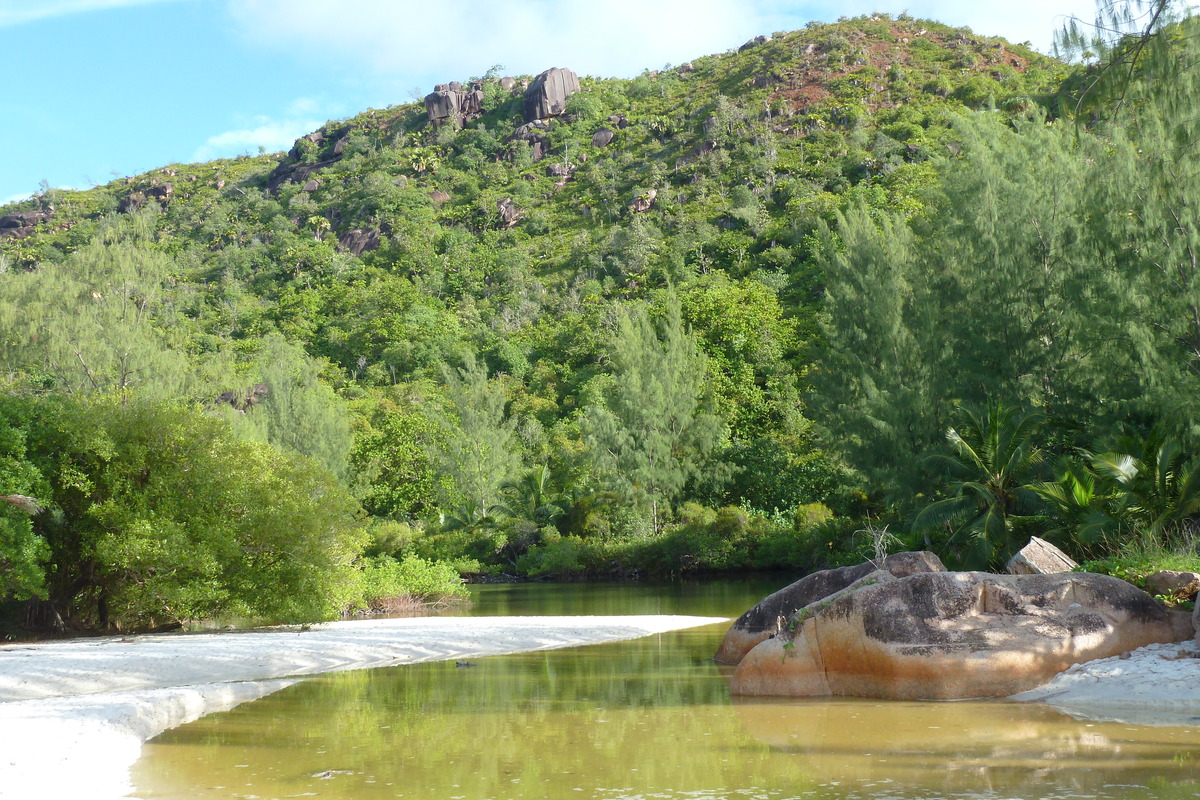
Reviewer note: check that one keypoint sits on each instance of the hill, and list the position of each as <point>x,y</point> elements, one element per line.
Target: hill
<point>550,323</point>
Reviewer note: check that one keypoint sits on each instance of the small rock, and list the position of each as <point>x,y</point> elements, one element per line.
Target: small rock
<point>602,137</point>
<point>311,186</point>
<point>1039,557</point>
<point>1169,581</point>
<point>644,202</point>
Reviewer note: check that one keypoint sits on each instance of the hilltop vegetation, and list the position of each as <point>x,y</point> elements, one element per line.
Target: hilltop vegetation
<point>717,316</point>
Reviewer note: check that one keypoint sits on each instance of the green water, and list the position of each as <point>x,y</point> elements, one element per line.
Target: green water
<point>650,718</point>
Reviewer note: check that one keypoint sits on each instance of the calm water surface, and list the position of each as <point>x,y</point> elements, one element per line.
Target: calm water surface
<point>650,718</point>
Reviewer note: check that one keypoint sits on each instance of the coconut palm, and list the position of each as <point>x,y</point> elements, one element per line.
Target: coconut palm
<point>26,504</point>
<point>532,496</point>
<point>1157,488</point>
<point>993,454</point>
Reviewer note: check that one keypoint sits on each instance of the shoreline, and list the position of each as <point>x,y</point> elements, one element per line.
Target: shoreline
<point>74,714</point>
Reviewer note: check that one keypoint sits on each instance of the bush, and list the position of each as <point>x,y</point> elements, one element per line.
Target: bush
<point>385,579</point>
<point>157,514</point>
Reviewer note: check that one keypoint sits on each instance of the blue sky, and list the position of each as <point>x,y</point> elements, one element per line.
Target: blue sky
<point>103,88</point>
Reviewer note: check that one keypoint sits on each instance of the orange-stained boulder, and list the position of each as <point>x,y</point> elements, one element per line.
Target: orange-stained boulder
<point>951,635</point>
<point>765,619</point>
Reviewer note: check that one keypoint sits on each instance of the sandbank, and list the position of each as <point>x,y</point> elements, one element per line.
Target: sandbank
<point>74,714</point>
<point>1154,685</point>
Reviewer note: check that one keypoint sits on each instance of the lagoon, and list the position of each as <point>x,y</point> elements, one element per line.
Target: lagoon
<point>649,718</point>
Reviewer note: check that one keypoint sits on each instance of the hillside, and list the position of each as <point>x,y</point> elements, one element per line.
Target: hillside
<point>564,324</point>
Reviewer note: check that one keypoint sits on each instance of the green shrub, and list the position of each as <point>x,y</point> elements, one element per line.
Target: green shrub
<point>384,578</point>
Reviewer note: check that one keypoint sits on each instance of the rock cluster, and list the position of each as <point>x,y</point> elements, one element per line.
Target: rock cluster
<point>454,104</point>
<point>23,223</point>
<point>329,147</point>
<point>533,133</point>
<point>948,635</point>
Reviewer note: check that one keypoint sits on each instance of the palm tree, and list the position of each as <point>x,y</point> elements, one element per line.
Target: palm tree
<point>1156,487</point>
<point>533,496</point>
<point>993,453</point>
<point>1080,500</point>
<point>26,504</point>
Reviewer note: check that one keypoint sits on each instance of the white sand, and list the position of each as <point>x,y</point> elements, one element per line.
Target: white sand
<point>74,714</point>
<point>1156,685</point>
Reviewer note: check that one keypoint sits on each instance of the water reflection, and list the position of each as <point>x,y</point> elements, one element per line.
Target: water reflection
<point>645,719</point>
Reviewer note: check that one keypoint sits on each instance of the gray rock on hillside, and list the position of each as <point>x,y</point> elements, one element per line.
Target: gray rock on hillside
<point>547,94</point>
<point>359,241</point>
<point>535,134</point>
<point>602,137</point>
<point>1039,557</point>
<point>952,635</point>
<point>763,621</point>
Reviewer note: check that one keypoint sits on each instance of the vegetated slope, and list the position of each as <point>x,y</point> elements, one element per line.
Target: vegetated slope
<point>390,247</point>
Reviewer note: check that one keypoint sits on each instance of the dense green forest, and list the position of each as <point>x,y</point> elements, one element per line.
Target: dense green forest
<point>873,283</point>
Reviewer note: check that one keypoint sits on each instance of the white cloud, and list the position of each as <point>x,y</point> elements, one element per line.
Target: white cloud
<point>15,198</point>
<point>16,12</point>
<point>454,39</point>
<point>272,135</point>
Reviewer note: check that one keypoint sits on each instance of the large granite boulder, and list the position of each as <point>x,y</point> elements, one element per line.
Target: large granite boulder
<point>951,635</point>
<point>767,618</point>
<point>1039,557</point>
<point>548,92</point>
<point>359,240</point>
<point>442,104</point>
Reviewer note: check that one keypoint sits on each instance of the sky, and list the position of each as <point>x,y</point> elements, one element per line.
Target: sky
<point>99,89</point>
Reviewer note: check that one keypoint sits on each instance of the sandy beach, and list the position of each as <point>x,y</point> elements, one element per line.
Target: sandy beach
<point>74,714</point>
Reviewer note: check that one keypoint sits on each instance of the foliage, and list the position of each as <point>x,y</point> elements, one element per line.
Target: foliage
<point>385,578</point>
<point>855,229</point>
<point>994,458</point>
<point>653,432</point>
<point>158,514</point>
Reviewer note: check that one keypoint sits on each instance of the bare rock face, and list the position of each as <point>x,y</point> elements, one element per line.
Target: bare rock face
<point>359,241</point>
<point>1039,557</point>
<point>952,635</point>
<point>548,92</point>
<point>1196,621</point>
<point>755,42</point>
<point>23,219</point>
<point>453,103</point>
<point>23,223</point>
<point>442,104</point>
<point>767,618</point>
